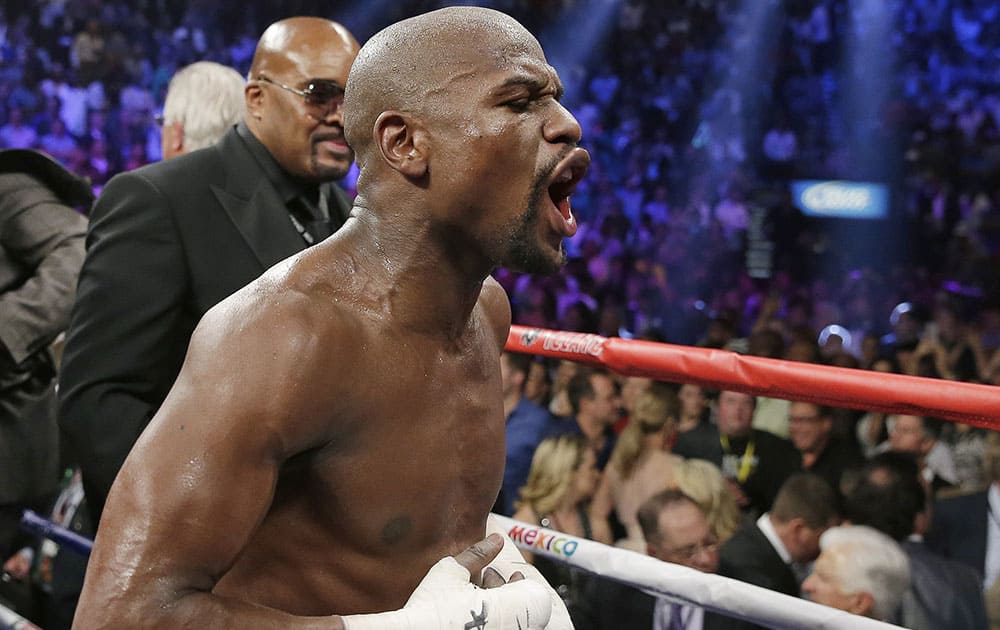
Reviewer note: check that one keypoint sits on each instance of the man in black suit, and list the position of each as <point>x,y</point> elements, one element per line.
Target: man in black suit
<point>677,531</point>
<point>169,241</point>
<point>962,524</point>
<point>768,552</point>
<point>755,462</point>
<point>810,427</point>
<point>41,250</point>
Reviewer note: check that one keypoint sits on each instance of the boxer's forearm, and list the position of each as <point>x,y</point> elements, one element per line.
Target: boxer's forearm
<point>195,610</point>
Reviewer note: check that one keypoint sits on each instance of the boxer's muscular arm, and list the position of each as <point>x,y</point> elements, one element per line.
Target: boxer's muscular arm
<point>202,477</point>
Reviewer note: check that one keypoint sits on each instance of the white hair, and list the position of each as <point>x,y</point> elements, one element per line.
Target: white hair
<point>874,564</point>
<point>206,98</point>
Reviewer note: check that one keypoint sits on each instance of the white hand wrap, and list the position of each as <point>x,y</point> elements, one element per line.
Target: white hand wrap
<point>445,599</point>
<point>510,560</point>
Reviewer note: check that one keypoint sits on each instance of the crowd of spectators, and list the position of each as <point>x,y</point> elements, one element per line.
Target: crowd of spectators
<point>684,150</point>
<point>688,153</point>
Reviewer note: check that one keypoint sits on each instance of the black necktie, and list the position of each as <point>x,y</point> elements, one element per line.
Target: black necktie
<point>305,208</point>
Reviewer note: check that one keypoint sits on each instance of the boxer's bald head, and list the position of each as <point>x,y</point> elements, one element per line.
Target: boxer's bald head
<point>417,65</point>
<point>456,120</point>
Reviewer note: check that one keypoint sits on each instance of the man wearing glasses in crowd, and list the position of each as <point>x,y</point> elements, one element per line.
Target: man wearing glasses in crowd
<point>170,240</point>
<point>677,531</point>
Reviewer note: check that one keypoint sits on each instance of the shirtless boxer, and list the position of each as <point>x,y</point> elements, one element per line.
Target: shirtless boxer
<point>337,428</point>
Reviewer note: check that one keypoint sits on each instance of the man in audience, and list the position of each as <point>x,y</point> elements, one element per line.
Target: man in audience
<point>41,251</point>
<point>204,100</point>
<point>170,240</point>
<point>773,551</point>
<point>677,531</point>
<point>593,397</point>
<point>920,436</point>
<point>890,497</point>
<point>860,570</point>
<point>526,422</point>
<point>810,427</point>
<point>966,527</point>
<point>755,461</point>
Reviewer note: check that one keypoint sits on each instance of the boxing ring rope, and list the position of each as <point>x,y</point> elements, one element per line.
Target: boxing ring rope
<point>663,579</point>
<point>683,585</point>
<point>35,524</point>
<point>968,403</point>
<point>720,369</point>
<point>10,620</point>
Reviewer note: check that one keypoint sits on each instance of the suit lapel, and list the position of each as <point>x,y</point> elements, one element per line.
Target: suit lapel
<point>253,205</point>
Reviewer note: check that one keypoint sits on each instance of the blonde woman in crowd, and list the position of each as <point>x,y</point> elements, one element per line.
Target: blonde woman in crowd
<point>560,485</point>
<point>703,481</point>
<point>640,466</point>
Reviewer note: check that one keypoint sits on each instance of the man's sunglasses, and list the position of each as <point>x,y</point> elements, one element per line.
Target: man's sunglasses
<point>321,95</point>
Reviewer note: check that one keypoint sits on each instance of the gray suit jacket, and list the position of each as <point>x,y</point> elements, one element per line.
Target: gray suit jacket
<point>41,250</point>
<point>943,593</point>
<point>166,243</point>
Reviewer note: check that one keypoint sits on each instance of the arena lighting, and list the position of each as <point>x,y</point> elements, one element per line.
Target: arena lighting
<point>866,78</point>
<point>735,102</point>
<point>573,40</point>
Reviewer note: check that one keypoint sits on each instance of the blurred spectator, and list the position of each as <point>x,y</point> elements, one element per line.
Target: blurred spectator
<point>693,407</point>
<point>860,570</point>
<point>890,497</point>
<point>920,437</point>
<point>640,466</point>
<point>774,551</point>
<point>57,142</point>
<point>593,398</point>
<point>561,482</point>
<point>41,251</point>
<point>677,531</point>
<point>756,462</point>
<point>17,134</point>
<point>811,428</point>
<point>203,101</point>
<point>965,527</point>
<point>526,422</point>
<point>704,483</point>
<point>87,53</point>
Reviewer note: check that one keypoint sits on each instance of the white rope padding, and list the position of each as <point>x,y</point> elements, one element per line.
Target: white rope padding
<point>683,585</point>
<point>10,620</point>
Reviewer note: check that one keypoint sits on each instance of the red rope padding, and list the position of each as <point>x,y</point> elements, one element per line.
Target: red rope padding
<point>721,369</point>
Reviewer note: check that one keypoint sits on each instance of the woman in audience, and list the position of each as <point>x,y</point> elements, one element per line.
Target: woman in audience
<point>560,485</point>
<point>703,481</point>
<point>640,466</point>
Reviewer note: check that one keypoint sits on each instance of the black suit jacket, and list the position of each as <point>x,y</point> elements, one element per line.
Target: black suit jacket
<point>749,557</point>
<point>958,530</point>
<point>610,605</point>
<point>778,459</point>
<point>166,243</point>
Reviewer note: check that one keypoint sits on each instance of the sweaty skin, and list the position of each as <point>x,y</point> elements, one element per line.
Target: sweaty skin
<point>338,425</point>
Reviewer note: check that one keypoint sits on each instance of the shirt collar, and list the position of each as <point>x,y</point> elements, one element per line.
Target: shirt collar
<point>767,527</point>
<point>288,188</point>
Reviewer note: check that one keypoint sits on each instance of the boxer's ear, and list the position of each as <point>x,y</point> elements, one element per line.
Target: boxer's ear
<point>400,142</point>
